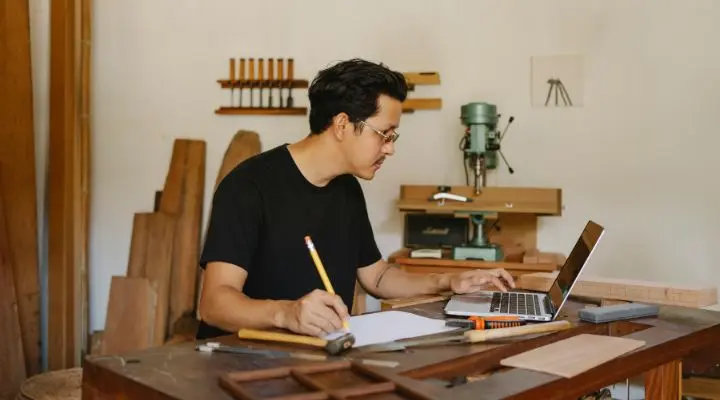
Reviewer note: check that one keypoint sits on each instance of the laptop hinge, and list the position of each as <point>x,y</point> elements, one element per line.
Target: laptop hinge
<point>549,305</point>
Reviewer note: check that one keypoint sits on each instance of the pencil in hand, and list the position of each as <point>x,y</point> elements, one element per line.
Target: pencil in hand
<point>321,271</point>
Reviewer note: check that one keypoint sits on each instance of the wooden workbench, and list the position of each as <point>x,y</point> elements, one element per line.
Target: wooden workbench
<point>179,372</point>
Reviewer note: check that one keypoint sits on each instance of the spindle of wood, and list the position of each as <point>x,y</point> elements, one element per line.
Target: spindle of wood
<point>316,381</point>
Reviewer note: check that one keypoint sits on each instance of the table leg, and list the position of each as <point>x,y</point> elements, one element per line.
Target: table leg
<point>664,382</point>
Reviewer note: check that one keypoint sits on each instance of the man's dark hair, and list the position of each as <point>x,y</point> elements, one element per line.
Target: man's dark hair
<point>352,87</point>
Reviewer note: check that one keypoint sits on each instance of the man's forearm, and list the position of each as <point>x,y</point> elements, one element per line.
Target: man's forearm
<point>393,282</point>
<point>229,309</point>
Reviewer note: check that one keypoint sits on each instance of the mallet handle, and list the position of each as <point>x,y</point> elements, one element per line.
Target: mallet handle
<point>253,334</point>
<point>489,334</point>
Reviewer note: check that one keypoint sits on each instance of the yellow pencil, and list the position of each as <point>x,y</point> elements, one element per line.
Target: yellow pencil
<point>321,271</point>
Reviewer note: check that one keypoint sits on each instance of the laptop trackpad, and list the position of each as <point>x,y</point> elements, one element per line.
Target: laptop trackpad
<point>477,303</point>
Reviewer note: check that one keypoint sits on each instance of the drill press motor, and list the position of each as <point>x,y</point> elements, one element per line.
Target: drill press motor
<point>481,146</point>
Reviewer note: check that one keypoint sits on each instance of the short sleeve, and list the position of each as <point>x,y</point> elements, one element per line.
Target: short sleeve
<point>234,225</point>
<point>368,252</point>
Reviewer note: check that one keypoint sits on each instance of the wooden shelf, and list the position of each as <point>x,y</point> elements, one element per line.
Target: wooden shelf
<point>402,258</point>
<point>263,83</point>
<point>411,105</point>
<point>539,201</point>
<point>422,78</point>
<point>261,111</point>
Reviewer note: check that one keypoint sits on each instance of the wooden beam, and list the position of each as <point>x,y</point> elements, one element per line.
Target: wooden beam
<point>68,177</point>
<point>18,180</point>
<point>628,290</point>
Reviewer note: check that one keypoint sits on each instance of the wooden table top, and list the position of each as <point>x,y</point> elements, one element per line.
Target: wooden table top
<point>180,372</point>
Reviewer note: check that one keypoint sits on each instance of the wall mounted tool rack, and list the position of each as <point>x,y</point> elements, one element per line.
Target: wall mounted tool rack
<point>262,89</point>
<point>421,78</point>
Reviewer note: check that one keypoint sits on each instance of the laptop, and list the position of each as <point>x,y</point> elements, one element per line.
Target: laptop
<point>531,305</point>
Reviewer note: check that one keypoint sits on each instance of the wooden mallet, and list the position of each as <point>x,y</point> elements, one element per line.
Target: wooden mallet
<point>334,346</point>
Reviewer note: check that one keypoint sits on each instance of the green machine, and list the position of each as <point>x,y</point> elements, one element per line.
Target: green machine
<point>481,147</point>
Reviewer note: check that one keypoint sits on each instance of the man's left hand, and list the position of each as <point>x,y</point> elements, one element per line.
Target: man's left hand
<point>478,279</point>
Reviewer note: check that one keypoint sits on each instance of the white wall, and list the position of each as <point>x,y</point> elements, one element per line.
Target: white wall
<point>637,157</point>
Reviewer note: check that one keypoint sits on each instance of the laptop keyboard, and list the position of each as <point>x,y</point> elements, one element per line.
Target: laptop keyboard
<point>515,303</point>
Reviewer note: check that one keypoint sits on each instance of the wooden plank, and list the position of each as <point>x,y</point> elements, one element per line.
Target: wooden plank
<point>182,198</point>
<point>158,267</point>
<point>84,166</point>
<point>139,244</point>
<point>12,358</point>
<point>570,357</point>
<point>65,204</point>
<point>694,296</point>
<point>17,153</point>
<point>130,316</point>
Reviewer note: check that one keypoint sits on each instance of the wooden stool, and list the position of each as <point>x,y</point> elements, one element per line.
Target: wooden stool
<point>55,385</point>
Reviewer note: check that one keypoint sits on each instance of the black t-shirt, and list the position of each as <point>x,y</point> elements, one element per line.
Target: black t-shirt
<point>262,211</point>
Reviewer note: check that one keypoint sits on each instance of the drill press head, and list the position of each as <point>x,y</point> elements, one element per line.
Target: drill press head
<point>480,120</point>
<point>482,140</point>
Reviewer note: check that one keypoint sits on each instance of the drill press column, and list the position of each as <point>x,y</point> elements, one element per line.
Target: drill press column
<point>478,248</point>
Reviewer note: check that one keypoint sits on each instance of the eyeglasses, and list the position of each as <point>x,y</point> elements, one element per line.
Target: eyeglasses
<point>388,137</point>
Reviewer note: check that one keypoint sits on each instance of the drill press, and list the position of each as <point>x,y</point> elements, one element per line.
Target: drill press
<point>481,146</point>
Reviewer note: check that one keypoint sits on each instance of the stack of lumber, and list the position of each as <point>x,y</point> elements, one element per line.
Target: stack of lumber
<point>156,301</point>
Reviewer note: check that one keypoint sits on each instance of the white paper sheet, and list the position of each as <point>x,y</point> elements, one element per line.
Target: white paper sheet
<point>387,326</point>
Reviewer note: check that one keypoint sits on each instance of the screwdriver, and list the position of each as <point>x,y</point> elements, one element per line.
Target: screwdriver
<point>480,323</point>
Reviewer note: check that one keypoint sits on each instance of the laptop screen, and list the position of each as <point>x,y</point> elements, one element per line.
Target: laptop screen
<point>570,271</point>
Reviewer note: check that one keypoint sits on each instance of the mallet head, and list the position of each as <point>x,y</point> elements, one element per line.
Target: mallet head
<point>340,344</point>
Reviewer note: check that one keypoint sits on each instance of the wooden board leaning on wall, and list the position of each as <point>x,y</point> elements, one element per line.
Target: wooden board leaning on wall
<point>17,176</point>
<point>162,267</point>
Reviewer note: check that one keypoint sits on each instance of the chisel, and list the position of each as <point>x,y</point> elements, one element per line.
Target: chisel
<point>271,81</point>
<point>211,347</point>
<point>280,81</point>
<point>251,78</point>
<point>261,73</point>
<point>469,337</point>
<point>242,80</point>
<point>290,77</point>
<point>232,82</point>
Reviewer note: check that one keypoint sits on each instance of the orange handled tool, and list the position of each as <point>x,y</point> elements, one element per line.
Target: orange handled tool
<point>480,323</point>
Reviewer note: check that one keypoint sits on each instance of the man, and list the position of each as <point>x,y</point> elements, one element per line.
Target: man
<point>258,271</point>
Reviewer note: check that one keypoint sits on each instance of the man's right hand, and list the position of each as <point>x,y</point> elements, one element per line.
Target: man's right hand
<point>318,313</point>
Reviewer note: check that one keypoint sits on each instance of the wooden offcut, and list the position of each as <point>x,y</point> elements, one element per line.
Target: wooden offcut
<point>243,145</point>
<point>182,198</point>
<point>130,321</point>
<point>156,265</point>
<point>17,155</point>
<point>572,356</point>
<point>695,296</point>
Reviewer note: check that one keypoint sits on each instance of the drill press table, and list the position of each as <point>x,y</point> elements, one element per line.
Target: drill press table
<point>180,372</point>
